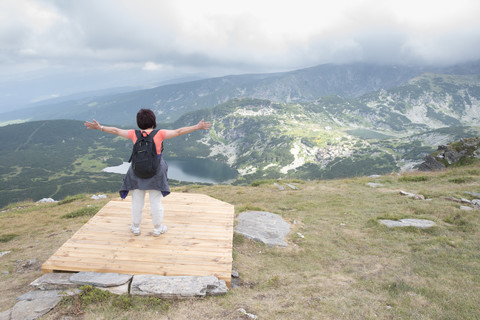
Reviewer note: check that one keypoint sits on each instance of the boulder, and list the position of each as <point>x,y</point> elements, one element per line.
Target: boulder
<point>431,164</point>
<point>419,197</point>
<point>177,286</point>
<point>265,227</point>
<point>27,266</point>
<point>476,203</point>
<point>247,314</point>
<point>98,197</point>
<point>46,200</point>
<point>452,156</point>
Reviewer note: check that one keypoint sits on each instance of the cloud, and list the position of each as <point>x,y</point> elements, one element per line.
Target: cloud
<point>178,37</point>
<point>152,66</point>
<point>255,33</point>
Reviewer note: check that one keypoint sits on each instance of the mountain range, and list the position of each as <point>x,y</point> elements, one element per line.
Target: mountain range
<point>172,101</point>
<point>324,122</point>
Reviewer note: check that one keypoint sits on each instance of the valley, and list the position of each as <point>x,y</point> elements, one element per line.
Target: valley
<point>314,136</point>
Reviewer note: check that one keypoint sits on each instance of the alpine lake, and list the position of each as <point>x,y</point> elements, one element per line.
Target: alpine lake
<point>190,170</point>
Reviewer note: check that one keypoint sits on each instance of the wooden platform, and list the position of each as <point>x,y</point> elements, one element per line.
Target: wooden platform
<point>198,241</point>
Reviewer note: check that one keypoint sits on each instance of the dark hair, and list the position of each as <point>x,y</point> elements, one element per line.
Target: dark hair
<point>146,119</point>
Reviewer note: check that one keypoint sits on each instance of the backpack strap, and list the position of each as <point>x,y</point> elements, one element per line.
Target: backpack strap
<point>139,133</point>
<point>151,134</point>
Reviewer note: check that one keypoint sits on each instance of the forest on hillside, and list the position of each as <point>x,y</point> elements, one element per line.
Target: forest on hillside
<point>57,158</point>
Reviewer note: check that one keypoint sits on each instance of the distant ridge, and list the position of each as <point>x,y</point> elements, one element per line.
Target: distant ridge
<point>173,100</point>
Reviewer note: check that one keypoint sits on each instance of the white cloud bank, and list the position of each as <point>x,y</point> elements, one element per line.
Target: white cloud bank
<point>220,36</point>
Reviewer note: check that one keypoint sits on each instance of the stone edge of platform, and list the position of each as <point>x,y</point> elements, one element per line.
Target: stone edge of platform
<point>51,287</point>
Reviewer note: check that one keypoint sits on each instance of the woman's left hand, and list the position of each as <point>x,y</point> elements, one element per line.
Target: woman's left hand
<point>203,125</point>
<point>93,125</point>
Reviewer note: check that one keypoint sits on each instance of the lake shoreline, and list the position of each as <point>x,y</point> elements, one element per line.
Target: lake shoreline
<point>190,170</point>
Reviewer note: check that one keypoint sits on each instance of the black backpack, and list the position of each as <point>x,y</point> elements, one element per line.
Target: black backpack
<point>144,156</point>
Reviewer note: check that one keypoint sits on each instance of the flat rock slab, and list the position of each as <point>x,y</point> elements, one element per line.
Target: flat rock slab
<point>374,185</point>
<point>54,281</point>
<point>45,294</point>
<point>177,286</point>
<point>5,315</point>
<point>122,289</point>
<point>412,195</point>
<point>472,193</point>
<point>33,309</point>
<point>418,223</point>
<point>265,227</point>
<point>280,188</point>
<point>99,279</point>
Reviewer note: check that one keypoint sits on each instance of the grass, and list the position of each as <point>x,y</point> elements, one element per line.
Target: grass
<point>8,237</point>
<point>347,265</point>
<point>70,199</point>
<point>87,211</point>
<point>96,299</point>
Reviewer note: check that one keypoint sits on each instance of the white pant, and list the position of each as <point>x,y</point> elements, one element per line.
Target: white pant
<point>156,208</point>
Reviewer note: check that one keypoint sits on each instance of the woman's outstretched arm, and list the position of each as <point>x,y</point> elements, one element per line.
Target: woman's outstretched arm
<point>95,125</point>
<point>202,125</point>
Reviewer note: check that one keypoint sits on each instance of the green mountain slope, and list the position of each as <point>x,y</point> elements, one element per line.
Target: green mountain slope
<point>338,137</point>
<point>331,137</point>
<point>55,159</point>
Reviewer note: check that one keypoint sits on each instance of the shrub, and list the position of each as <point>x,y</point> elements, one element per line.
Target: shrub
<point>461,180</point>
<point>413,179</point>
<point>70,199</point>
<point>257,183</point>
<point>8,237</point>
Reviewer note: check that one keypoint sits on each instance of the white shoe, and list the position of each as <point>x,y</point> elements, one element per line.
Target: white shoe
<point>159,231</point>
<point>135,230</point>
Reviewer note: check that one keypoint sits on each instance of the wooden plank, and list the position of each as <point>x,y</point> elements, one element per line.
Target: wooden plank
<point>200,224</point>
<point>124,257</point>
<point>185,244</point>
<point>61,266</point>
<point>198,241</point>
<point>158,253</point>
<point>147,267</point>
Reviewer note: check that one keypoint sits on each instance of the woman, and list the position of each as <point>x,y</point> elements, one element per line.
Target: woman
<point>157,185</point>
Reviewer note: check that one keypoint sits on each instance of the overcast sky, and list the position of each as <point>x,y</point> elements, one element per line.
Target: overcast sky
<point>56,46</point>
